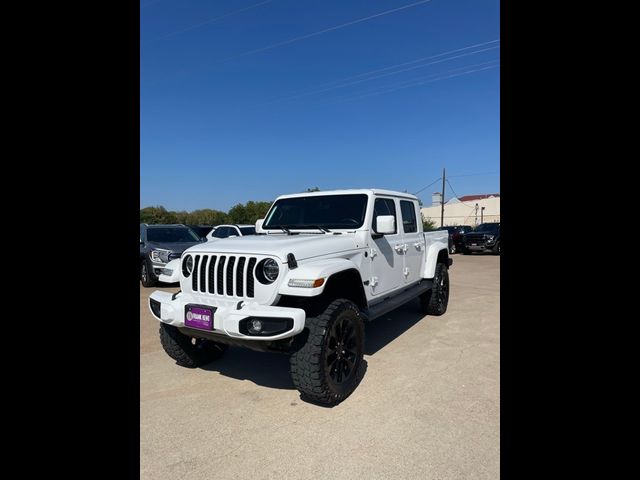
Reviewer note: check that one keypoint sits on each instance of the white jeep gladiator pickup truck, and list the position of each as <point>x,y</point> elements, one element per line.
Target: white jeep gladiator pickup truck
<point>322,264</point>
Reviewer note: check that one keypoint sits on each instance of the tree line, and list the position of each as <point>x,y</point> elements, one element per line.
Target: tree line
<point>246,213</point>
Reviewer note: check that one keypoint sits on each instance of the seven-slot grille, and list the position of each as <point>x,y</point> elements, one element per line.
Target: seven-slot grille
<point>226,275</point>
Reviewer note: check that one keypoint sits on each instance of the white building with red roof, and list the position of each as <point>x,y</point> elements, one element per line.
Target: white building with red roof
<point>465,210</point>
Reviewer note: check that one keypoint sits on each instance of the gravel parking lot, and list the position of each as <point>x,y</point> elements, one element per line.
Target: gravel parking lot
<point>428,406</point>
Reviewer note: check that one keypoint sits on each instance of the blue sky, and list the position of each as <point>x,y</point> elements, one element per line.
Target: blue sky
<point>249,99</point>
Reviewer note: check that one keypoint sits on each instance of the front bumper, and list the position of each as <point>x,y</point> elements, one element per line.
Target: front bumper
<point>481,245</point>
<point>156,268</point>
<point>174,277</point>
<point>227,317</point>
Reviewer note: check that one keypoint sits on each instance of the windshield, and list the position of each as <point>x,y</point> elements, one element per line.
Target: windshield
<point>488,227</point>
<point>201,231</point>
<point>313,212</point>
<point>171,235</point>
<point>248,230</point>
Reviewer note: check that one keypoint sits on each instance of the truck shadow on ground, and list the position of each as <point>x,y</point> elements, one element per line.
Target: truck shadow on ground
<point>272,369</point>
<point>383,330</point>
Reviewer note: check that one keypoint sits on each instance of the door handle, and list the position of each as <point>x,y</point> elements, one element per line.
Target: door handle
<point>418,245</point>
<point>401,248</point>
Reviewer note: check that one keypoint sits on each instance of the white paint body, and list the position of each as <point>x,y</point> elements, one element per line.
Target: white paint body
<point>387,264</point>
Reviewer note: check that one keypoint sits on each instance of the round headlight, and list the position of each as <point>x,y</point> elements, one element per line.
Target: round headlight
<point>270,270</point>
<point>187,265</point>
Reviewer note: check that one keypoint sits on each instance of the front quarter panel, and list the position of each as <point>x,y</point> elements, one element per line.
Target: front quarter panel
<point>312,271</point>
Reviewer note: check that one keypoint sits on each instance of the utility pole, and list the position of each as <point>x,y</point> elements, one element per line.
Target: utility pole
<point>482,215</point>
<point>442,201</point>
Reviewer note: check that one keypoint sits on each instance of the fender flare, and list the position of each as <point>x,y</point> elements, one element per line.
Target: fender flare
<point>311,271</point>
<point>432,258</point>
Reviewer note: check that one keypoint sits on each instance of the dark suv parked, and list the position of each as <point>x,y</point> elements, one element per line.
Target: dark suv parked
<point>201,230</point>
<point>455,236</point>
<point>160,244</point>
<point>484,238</point>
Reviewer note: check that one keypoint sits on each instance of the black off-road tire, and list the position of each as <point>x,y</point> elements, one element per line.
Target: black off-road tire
<point>435,301</point>
<point>321,370</point>
<point>147,277</point>
<point>453,249</point>
<point>496,248</point>
<point>186,351</point>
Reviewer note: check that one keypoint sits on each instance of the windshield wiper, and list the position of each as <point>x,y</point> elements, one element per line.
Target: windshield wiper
<point>322,229</point>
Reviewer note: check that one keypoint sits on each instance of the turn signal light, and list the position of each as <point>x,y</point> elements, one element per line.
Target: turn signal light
<point>304,283</point>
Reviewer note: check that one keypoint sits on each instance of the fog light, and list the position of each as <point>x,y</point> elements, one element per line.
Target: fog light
<point>255,326</point>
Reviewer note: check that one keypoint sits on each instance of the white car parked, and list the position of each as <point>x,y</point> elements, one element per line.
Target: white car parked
<point>226,231</point>
<point>325,263</point>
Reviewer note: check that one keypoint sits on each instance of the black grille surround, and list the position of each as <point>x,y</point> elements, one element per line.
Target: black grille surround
<point>250,279</point>
<point>194,274</point>
<point>219,275</point>
<point>478,239</point>
<point>224,275</point>
<point>212,273</point>
<point>232,262</point>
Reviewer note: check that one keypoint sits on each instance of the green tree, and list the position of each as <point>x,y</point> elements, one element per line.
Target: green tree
<point>207,216</point>
<point>428,224</point>
<point>182,216</point>
<point>157,214</point>
<point>248,213</point>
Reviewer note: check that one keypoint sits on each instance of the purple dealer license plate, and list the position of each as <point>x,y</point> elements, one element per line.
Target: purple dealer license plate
<point>198,317</point>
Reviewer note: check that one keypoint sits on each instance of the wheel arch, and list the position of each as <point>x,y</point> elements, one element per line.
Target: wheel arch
<point>342,280</point>
<point>437,253</point>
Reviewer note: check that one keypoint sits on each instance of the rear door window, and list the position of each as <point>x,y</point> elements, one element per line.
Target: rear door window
<point>408,211</point>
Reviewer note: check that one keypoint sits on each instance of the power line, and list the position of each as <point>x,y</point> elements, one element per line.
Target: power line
<point>475,174</point>
<point>213,20</point>
<point>418,84</point>
<point>331,85</point>
<point>435,181</point>
<point>410,81</point>
<point>456,196</point>
<point>320,32</point>
<point>375,77</point>
<point>454,192</point>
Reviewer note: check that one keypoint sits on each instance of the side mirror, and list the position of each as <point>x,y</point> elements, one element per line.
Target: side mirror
<point>385,224</point>
<point>259,223</point>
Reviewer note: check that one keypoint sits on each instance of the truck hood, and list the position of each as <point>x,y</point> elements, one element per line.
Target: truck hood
<point>302,246</point>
